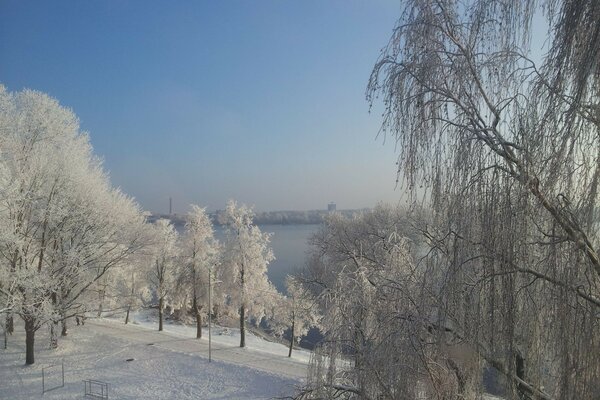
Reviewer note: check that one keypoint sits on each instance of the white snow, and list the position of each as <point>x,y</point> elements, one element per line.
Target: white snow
<point>167,365</point>
<point>220,336</point>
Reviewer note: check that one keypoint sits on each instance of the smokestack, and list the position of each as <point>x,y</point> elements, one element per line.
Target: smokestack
<point>170,206</point>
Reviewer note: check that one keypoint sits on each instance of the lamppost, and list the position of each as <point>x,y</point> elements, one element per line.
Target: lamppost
<point>210,311</point>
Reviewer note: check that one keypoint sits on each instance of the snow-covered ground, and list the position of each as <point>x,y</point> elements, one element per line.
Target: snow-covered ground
<point>167,365</point>
<point>220,336</point>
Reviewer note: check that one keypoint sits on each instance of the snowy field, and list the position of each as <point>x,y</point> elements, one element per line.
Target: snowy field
<point>166,365</point>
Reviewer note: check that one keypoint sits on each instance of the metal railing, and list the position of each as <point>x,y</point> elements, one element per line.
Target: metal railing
<point>45,371</point>
<point>96,389</point>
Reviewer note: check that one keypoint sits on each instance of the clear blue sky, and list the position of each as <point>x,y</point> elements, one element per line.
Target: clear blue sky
<point>261,101</point>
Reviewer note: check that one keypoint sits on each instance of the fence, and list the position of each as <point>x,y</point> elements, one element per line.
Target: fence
<point>96,389</point>
<point>47,384</point>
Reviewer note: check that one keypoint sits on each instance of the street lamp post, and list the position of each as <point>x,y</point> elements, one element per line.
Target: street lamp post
<point>210,283</point>
<point>209,314</point>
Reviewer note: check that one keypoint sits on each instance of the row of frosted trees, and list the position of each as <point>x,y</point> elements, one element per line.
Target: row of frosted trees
<point>72,244</point>
<point>184,269</point>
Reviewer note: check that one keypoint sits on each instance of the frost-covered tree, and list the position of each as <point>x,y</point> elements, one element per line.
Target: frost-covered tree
<point>504,147</point>
<point>62,225</point>
<point>133,288</point>
<point>298,311</point>
<point>165,265</point>
<point>97,241</point>
<point>364,275</point>
<point>125,288</point>
<point>200,254</point>
<point>5,305</point>
<point>246,257</point>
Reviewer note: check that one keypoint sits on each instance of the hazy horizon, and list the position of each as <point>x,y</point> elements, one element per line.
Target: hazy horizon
<point>204,101</point>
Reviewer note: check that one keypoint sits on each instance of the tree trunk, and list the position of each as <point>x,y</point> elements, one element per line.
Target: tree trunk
<point>10,323</point>
<point>101,296</point>
<point>5,339</point>
<point>215,312</point>
<point>198,318</point>
<point>53,335</point>
<point>242,327</point>
<point>64,330</point>
<point>160,314</point>
<point>357,348</point>
<point>131,299</point>
<point>29,341</point>
<point>520,371</point>
<point>292,338</point>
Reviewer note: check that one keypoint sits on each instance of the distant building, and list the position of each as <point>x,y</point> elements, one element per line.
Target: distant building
<point>331,207</point>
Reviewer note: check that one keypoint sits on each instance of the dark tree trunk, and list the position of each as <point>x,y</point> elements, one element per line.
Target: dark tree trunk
<point>357,349</point>
<point>29,341</point>
<point>131,299</point>
<point>198,318</point>
<point>242,327</point>
<point>520,370</point>
<point>64,330</point>
<point>54,326</point>
<point>198,325</point>
<point>53,335</point>
<point>101,301</point>
<point>160,313</point>
<point>292,338</point>
<point>10,324</point>
<point>460,378</point>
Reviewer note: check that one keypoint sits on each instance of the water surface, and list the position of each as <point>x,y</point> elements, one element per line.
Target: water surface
<point>289,244</point>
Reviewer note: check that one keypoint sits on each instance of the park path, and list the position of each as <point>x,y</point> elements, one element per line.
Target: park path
<point>252,358</point>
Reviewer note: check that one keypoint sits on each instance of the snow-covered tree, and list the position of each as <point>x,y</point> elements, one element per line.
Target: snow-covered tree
<point>5,305</point>
<point>133,288</point>
<point>376,343</point>
<point>165,266</point>
<point>502,144</point>
<point>125,288</point>
<point>200,254</point>
<point>246,257</point>
<point>96,242</point>
<point>298,311</point>
<point>62,226</point>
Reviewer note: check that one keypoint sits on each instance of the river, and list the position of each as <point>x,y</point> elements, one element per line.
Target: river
<point>290,246</point>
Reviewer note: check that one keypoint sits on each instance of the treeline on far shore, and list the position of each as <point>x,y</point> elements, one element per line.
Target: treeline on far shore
<point>265,217</point>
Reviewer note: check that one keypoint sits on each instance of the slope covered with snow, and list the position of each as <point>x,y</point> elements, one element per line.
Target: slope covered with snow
<point>165,365</point>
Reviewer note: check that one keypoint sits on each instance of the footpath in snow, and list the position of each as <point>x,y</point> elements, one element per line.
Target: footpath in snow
<point>258,354</point>
<point>166,365</point>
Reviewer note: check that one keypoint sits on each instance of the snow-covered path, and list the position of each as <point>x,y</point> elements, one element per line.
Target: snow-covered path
<point>165,365</point>
<point>256,359</point>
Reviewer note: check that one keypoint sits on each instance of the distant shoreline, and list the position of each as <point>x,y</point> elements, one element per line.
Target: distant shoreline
<point>311,217</point>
